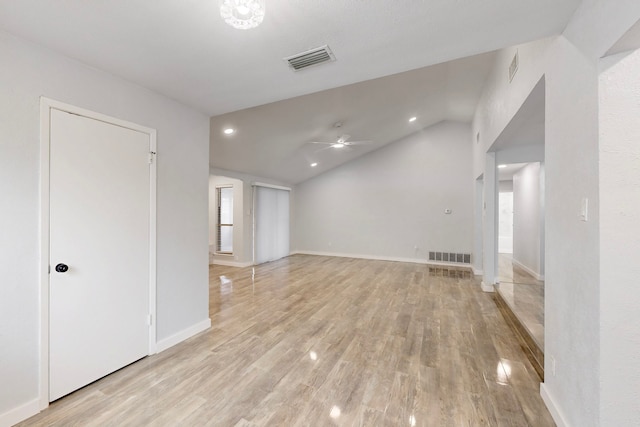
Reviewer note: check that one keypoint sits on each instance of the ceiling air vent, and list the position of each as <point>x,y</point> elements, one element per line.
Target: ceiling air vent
<point>311,57</point>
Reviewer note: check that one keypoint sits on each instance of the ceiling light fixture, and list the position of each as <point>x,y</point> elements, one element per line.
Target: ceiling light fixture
<point>229,131</point>
<point>502,166</point>
<point>338,145</point>
<point>413,119</point>
<point>313,165</point>
<point>242,14</point>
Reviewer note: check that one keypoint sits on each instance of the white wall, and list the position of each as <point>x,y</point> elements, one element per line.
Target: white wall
<point>26,73</point>
<point>527,222</point>
<point>385,203</point>
<point>501,99</point>
<point>238,221</point>
<point>505,186</point>
<point>572,288</point>
<point>620,239</point>
<point>572,309</point>
<point>571,159</point>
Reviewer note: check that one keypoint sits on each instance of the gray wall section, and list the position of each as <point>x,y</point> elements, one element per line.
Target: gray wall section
<point>387,202</point>
<point>29,72</point>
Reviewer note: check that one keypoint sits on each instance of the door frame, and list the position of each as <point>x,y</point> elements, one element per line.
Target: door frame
<point>46,105</point>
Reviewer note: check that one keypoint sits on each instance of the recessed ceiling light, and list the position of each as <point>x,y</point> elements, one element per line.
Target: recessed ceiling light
<point>314,164</point>
<point>413,119</point>
<point>229,131</point>
<point>335,412</point>
<point>502,166</point>
<point>338,145</point>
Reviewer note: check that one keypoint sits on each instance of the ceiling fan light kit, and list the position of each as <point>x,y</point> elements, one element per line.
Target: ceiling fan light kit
<point>342,141</point>
<point>242,14</point>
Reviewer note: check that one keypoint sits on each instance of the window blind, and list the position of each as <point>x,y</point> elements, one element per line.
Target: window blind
<point>271,223</point>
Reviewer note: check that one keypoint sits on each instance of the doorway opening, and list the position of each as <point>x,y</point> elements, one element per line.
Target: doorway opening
<point>519,256</point>
<point>521,244</point>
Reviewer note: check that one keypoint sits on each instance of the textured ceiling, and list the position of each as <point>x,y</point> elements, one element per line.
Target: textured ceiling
<point>274,140</point>
<point>185,51</point>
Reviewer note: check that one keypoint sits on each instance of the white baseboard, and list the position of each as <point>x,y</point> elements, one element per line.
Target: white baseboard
<point>231,263</point>
<point>487,288</point>
<point>384,258</point>
<point>182,335</point>
<point>21,413</point>
<point>361,256</point>
<point>527,269</point>
<point>556,414</point>
<point>31,408</point>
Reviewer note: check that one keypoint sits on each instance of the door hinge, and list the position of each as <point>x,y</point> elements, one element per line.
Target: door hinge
<point>152,155</point>
<point>149,320</point>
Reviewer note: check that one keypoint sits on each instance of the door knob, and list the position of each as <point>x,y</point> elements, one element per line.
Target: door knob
<point>62,268</point>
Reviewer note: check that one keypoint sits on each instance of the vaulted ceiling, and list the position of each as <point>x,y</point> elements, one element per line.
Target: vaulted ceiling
<point>185,51</point>
<point>276,140</point>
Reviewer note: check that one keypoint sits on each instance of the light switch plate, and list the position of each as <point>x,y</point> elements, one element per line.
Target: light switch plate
<point>584,209</point>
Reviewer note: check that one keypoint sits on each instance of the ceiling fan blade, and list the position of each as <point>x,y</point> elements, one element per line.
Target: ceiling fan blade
<point>359,142</point>
<point>328,147</point>
<point>321,142</point>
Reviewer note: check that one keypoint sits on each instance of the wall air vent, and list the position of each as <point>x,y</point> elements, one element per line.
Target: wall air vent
<point>450,257</point>
<point>310,58</point>
<point>513,67</point>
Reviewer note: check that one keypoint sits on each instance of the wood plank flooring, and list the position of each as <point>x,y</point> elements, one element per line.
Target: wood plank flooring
<point>315,341</point>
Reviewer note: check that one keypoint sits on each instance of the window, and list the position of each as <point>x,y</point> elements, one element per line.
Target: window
<point>224,226</point>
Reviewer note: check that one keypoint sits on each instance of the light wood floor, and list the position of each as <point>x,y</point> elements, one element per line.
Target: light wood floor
<point>314,341</point>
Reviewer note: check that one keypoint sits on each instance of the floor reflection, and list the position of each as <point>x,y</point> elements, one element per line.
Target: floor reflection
<point>449,272</point>
<point>524,295</point>
<point>226,285</point>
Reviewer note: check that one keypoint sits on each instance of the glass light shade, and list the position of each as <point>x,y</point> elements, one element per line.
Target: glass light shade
<point>242,14</point>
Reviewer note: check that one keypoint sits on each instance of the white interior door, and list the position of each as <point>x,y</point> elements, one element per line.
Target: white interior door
<point>99,228</point>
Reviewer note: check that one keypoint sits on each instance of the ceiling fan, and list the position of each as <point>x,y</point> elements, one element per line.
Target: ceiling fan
<point>341,142</point>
